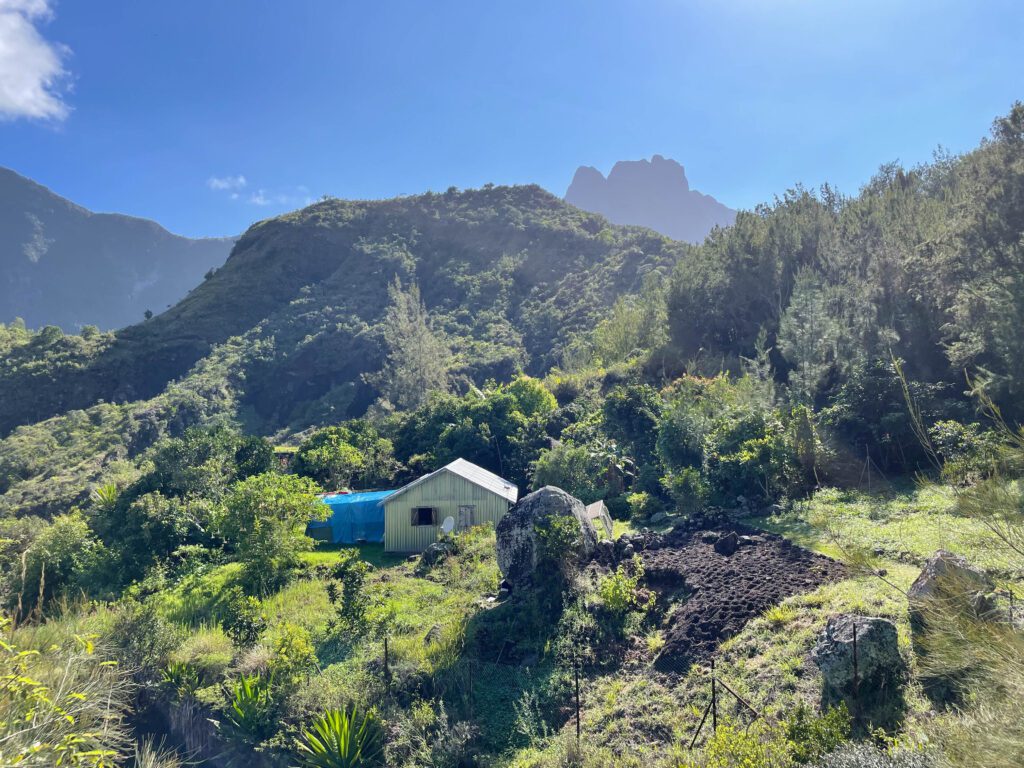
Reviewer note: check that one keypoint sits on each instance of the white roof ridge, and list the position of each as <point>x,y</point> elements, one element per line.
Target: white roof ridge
<point>473,473</point>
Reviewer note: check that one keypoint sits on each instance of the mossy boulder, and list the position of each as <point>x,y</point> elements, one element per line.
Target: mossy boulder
<point>546,531</point>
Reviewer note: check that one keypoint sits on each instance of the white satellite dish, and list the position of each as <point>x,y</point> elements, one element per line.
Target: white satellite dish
<point>448,525</point>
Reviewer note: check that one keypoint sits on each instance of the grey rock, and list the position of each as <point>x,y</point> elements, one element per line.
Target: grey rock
<point>950,578</point>
<point>605,551</point>
<point>436,552</point>
<point>518,544</point>
<point>433,635</point>
<point>710,537</point>
<point>871,681</point>
<point>727,544</point>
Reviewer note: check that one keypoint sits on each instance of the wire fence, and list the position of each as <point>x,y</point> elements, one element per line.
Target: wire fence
<point>515,703</point>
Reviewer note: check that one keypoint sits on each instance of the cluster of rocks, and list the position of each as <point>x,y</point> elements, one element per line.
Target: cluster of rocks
<point>859,656</point>
<point>610,553</point>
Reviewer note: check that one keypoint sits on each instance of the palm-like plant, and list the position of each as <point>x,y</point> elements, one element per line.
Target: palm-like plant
<point>342,739</point>
<point>250,704</point>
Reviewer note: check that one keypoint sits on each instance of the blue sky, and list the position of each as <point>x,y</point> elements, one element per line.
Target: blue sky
<point>207,116</point>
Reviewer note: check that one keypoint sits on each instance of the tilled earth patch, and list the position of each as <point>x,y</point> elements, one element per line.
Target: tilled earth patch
<point>724,592</point>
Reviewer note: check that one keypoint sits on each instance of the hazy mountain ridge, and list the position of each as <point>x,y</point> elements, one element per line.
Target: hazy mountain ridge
<point>651,193</point>
<point>61,264</point>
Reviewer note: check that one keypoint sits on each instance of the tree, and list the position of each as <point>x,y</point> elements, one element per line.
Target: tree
<point>808,336</point>
<point>631,416</point>
<point>263,520</point>
<point>417,361</point>
<point>351,454</point>
<point>635,325</point>
<point>573,468</point>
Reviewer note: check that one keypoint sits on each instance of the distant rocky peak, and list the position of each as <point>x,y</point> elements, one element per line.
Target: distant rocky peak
<point>651,193</point>
<point>658,170</point>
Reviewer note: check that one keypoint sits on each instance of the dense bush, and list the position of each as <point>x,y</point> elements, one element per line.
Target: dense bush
<point>263,521</point>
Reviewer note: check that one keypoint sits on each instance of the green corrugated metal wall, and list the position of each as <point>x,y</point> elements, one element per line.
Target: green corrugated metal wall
<point>446,492</point>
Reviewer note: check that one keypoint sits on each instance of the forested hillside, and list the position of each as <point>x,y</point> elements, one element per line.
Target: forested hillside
<point>832,376</point>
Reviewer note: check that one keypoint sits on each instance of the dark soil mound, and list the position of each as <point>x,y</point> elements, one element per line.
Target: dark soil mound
<point>724,592</point>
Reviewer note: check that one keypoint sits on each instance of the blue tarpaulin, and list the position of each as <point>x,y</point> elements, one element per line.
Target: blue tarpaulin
<point>355,517</point>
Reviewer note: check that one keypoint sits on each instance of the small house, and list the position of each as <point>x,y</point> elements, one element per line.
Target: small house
<point>354,518</point>
<point>597,513</point>
<point>470,495</point>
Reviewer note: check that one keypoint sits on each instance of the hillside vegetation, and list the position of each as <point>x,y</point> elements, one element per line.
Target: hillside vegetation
<point>842,372</point>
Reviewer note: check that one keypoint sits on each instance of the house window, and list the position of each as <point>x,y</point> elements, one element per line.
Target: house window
<point>424,516</point>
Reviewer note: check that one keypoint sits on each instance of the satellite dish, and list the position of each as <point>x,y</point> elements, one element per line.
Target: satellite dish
<point>448,525</point>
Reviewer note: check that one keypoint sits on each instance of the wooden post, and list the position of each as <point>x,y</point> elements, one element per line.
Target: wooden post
<point>714,700</point>
<point>702,719</point>
<point>577,670</point>
<point>856,676</point>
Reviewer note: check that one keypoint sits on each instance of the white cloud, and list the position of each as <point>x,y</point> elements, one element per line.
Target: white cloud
<point>232,183</point>
<point>295,197</point>
<point>32,74</point>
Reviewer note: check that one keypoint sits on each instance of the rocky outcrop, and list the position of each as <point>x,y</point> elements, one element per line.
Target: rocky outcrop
<point>652,193</point>
<point>948,579</point>
<point>537,523</point>
<point>861,666</point>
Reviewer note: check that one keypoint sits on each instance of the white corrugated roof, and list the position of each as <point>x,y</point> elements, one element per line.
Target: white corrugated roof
<point>474,474</point>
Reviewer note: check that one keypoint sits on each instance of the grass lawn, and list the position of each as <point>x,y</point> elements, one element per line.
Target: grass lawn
<point>903,526</point>
<point>374,554</point>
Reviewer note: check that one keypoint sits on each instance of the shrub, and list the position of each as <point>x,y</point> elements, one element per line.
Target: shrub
<point>341,739</point>
<point>618,590</point>
<point>351,599</point>
<point>63,705</point>
<point>642,505</point>
<point>812,736</point>
<point>244,621</point>
<point>263,519</point>
<point>574,468</point>
<point>967,453</point>
<point>293,655</point>
<point>141,637</point>
<point>688,489</point>
<point>750,457</point>
<point>760,746</point>
<point>250,706</point>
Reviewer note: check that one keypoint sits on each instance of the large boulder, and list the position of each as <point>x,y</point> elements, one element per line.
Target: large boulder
<point>949,581</point>
<point>869,680</point>
<point>543,520</point>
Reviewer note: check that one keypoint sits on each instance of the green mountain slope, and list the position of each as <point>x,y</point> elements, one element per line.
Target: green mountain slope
<point>508,275</point>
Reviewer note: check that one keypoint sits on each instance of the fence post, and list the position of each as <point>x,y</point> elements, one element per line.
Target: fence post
<point>714,699</point>
<point>856,676</point>
<point>577,671</point>
<point>387,667</point>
